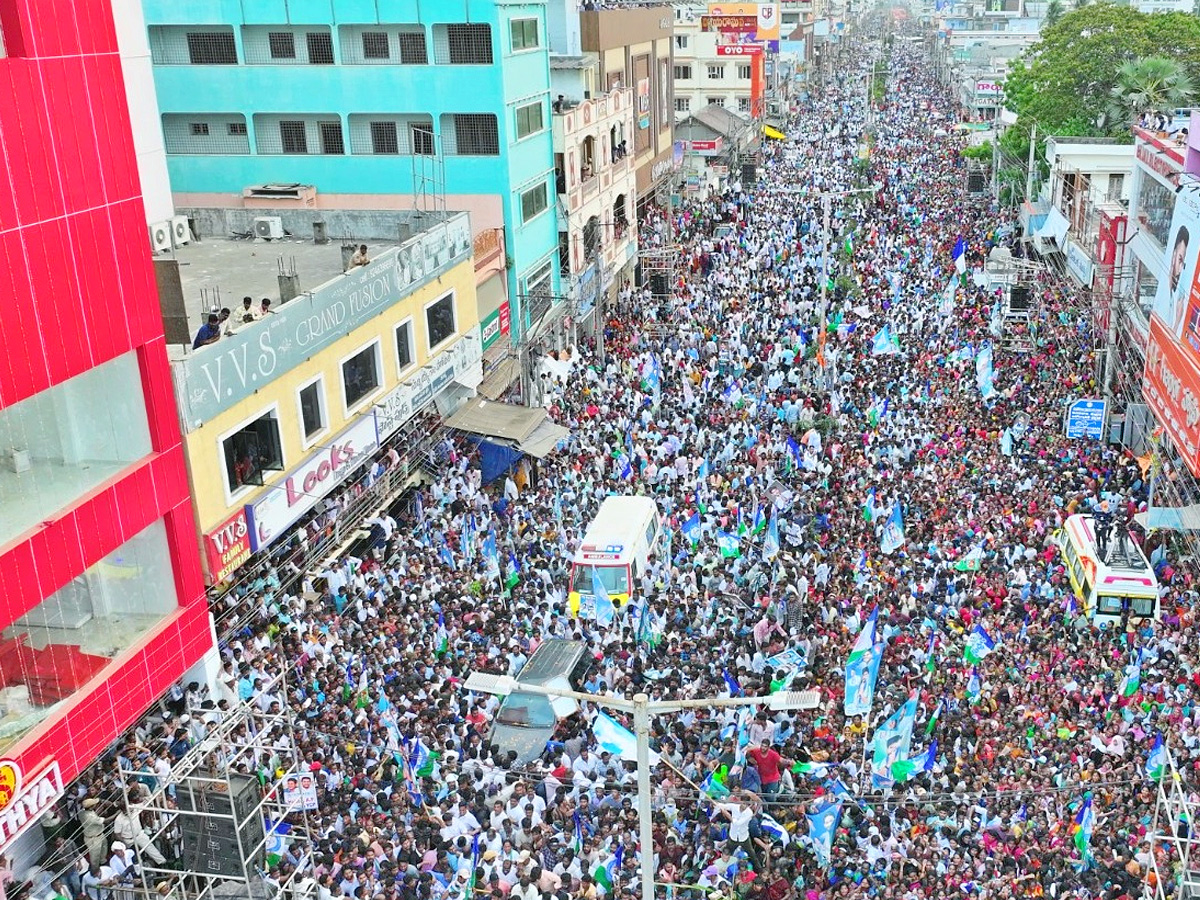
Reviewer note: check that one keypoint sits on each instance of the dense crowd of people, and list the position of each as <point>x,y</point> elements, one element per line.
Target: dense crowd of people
<point>745,408</point>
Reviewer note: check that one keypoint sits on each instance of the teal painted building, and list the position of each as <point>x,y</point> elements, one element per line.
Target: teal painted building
<point>371,106</point>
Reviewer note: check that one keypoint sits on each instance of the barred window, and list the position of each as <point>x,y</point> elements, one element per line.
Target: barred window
<point>375,45</point>
<point>683,104</point>
<point>412,48</point>
<point>332,141</point>
<point>470,134</point>
<point>529,120</point>
<point>282,44</point>
<point>293,136</point>
<point>384,138</point>
<point>683,73</point>
<point>212,48</point>
<point>320,48</point>
<point>462,44</point>
<point>744,72</point>
<point>743,104</point>
<point>205,134</point>
<point>715,73</point>
<point>422,139</point>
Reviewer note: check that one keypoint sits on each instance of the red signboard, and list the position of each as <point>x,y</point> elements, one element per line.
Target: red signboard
<point>728,24</point>
<point>704,146</point>
<point>739,50</point>
<point>505,318</point>
<point>227,547</point>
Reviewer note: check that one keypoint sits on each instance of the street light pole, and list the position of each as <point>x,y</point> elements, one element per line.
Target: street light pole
<point>642,708</point>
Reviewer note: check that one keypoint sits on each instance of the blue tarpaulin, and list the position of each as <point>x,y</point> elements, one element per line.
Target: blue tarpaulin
<point>496,459</point>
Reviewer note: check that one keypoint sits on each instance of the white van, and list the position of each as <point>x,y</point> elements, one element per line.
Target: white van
<point>615,548</point>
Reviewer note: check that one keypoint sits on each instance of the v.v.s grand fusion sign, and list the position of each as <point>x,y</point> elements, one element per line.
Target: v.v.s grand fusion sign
<point>216,377</point>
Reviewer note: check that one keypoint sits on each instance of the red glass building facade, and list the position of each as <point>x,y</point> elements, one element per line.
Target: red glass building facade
<point>101,594</point>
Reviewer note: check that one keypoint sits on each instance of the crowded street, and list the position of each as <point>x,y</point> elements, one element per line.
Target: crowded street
<point>860,468</point>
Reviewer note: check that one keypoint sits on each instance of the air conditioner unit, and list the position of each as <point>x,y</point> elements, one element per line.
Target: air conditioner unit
<point>160,236</point>
<point>181,233</point>
<point>269,228</point>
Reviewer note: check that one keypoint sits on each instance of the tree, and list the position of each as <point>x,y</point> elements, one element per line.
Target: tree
<point>1064,82</point>
<point>1054,11</point>
<point>1148,84</point>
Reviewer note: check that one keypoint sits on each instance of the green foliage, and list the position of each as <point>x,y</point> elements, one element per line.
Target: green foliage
<point>983,151</point>
<point>1146,85</point>
<point>1065,81</point>
<point>1054,11</point>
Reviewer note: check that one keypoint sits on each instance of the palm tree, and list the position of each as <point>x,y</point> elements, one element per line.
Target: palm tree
<point>1149,84</point>
<point>1054,11</point>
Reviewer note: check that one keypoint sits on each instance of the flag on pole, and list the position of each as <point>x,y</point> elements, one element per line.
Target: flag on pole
<point>613,737</point>
<point>774,830</point>
<point>823,815</point>
<point>691,529</point>
<point>869,506</point>
<point>514,572</point>
<point>577,837</point>
<point>885,343</point>
<point>735,689</point>
<point>974,687</point>
<point>1133,676</point>
<point>605,611</point>
<point>760,519</point>
<point>1085,822</point>
<point>770,547</point>
<point>892,538</point>
<point>892,742</point>
<point>979,645</point>
<point>1156,763</point>
<point>904,769</point>
<point>933,720</point>
<point>960,255</point>
<point>442,637</point>
<point>931,654</point>
<point>866,637</point>
<point>971,562</point>
<point>861,676</point>
<point>474,864</point>
<point>728,545</point>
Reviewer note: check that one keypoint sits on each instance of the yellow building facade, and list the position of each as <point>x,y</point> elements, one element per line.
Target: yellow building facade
<point>278,414</point>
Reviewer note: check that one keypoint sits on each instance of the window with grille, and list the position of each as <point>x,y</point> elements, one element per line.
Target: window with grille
<point>439,320</point>
<point>475,134</point>
<point>332,141</point>
<point>463,44</point>
<point>360,374</point>
<point>320,48</point>
<point>716,72</point>
<point>384,138</point>
<point>683,104</point>
<point>293,137</point>
<point>524,34</point>
<point>681,42</point>
<point>214,134</point>
<point>282,44</point>
<point>744,73</point>
<point>375,45</point>
<point>422,139</point>
<point>537,292</point>
<point>683,73</point>
<point>212,48</point>
<point>743,104</point>
<point>529,120</point>
<point>412,48</point>
<point>533,202</point>
<point>716,101</point>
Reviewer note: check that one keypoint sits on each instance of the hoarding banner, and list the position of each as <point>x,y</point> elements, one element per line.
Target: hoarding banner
<point>498,323</point>
<point>1172,379</point>
<point>227,547</point>
<point>739,50</point>
<point>738,24</point>
<point>212,379</point>
<point>766,16</point>
<point>410,396</point>
<point>309,483</point>
<point>24,800</point>
<point>987,89</point>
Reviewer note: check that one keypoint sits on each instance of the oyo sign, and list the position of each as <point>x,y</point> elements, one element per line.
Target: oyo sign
<point>285,502</point>
<point>23,802</point>
<point>227,547</point>
<point>739,50</point>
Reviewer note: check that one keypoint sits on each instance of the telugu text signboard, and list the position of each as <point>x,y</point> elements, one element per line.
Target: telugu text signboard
<point>766,16</point>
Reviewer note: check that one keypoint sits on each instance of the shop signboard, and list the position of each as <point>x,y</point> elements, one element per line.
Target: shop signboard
<point>412,395</point>
<point>766,17</point>
<point>495,325</point>
<point>308,484</point>
<point>23,801</point>
<point>213,379</point>
<point>226,548</point>
<point>1171,384</point>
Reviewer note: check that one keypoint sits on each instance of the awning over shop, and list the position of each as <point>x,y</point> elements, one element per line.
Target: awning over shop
<point>526,429</point>
<point>774,133</point>
<point>496,381</point>
<point>1172,518</point>
<point>1053,233</point>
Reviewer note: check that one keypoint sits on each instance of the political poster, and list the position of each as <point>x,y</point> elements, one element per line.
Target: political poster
<point>1171,383</point>
<point>300,792</point>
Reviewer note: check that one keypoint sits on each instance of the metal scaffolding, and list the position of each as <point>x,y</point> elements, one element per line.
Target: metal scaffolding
<point>220,822</point>
<point>1174,840</point>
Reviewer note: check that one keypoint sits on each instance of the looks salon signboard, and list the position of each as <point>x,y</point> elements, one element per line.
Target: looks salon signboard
<point>307,485</point>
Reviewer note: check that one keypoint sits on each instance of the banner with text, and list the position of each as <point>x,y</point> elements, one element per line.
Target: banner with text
<point>1171,384</point>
